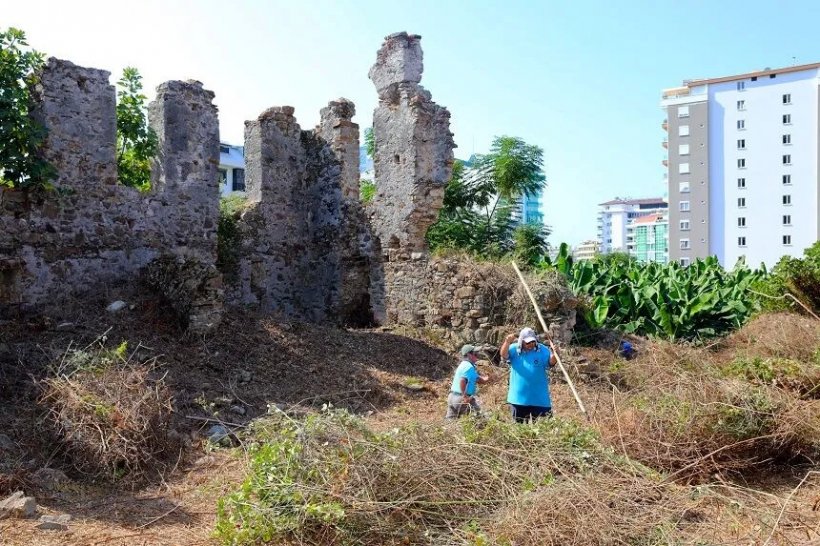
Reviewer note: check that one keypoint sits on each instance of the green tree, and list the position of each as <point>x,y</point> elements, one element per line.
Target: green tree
<point>529,244</point>
<point>21,163</point>
<point>136,141</point>
<point>477,202</point>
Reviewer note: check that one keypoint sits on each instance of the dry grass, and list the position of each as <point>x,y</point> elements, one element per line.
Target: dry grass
<point>110,414</point>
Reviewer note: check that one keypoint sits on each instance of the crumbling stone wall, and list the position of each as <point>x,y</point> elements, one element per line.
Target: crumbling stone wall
<point>413,163</point>
<point>305,252</point>
<point>481,302</point>
<point>91,231</point>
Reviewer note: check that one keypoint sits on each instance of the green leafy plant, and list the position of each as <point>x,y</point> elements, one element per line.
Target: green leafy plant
<point>664,300</point>
<point>367,190</point>
<point>21,137</point>
<point>136,142</point>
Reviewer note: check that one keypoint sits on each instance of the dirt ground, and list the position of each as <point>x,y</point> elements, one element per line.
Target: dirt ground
<point>253,362</point>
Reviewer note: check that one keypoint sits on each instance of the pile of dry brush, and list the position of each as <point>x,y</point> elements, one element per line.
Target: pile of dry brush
<point>748,400</point>
<point>331,480</point>
<point>110,413</point>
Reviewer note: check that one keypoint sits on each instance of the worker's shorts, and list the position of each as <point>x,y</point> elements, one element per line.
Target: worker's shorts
<point>521,413</point>
<point>456,406</point>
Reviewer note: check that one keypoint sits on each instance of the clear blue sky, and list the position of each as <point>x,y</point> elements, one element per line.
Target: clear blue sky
<point>580,79</point>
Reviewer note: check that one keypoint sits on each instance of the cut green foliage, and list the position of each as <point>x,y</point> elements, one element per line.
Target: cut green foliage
<point>21,137</point>
<point>332,480</point>
<point>136,142</point>
<point>665,300</point>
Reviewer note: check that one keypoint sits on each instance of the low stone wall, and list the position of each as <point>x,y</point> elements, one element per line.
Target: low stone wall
<point>466,301</point>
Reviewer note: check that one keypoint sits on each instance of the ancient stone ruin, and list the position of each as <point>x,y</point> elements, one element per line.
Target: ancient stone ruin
<point>306,247</point>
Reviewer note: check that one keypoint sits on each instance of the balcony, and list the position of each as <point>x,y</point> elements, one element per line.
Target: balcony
<point>665,125</point>
<point>665,144</point>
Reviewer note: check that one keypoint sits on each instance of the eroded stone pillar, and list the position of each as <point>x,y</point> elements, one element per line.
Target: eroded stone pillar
<point>77,106</point>
<point>413,163</point>
<point>338,130</point>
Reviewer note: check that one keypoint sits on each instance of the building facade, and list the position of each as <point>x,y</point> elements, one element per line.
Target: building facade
<point>586,250</point>
<point>231,168</point>
<point>616,216</point>
<point>648,238</point>
<point>742,165</point>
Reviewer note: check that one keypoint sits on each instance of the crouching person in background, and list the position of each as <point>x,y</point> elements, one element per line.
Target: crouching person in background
<point>461,400</point>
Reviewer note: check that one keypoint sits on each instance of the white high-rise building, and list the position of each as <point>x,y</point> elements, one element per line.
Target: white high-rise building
<point>614,218</point>
<point>743,165</point>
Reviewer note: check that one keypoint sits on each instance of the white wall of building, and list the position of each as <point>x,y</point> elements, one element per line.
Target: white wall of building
<point>762,116</point>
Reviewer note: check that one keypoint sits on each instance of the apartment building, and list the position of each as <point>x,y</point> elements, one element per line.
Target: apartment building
<point>585,251</point>
<point>615,217</point>
<point>647,238</point>
<point>231,168</point>
<point>742,165</point>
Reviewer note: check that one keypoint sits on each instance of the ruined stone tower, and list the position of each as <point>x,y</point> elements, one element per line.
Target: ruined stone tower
<point>413,162</point>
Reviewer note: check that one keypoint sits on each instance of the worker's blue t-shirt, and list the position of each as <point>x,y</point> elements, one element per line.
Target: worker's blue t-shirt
<point>529,384</point>
<point>465,369</point>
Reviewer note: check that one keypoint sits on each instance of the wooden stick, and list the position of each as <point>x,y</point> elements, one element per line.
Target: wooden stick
<point>549,340</point>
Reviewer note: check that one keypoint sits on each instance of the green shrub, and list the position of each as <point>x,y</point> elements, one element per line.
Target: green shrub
<point>228,236</point>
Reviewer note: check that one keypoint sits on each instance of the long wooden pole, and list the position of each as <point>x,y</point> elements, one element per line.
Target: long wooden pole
<point>549,340</point>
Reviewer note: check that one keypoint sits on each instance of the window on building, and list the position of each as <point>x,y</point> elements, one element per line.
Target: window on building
<point>684,261</point>
<point>741,86</point>
<point>683,168</point>
<point>684,244</point>
<point>787,119</point>
<point>224,149</point>
<point>787,199</point>
<point>741,241</point>
<point>787,240</point>
<point>787,159</point>
<point>683,111</point>
<point>684,225</point>
<point>741,105</point>
<point>787,179</point>
<point>741,124</point>
<point>741,202</point>
<point>239,180</point>
<point>741,144</point>
<point>223,177</point>
<point>683,187</point>
<point>741,163</point>
<point>741,183</point>
<point>787,98</point>
<point>683,130</point>
<point>754,78</point>
<point>787,139</point>
<point>684,206</point>
<point>772,76</point>
<point>741,221</point>
<point>787,219</point>
<point>683,149</point>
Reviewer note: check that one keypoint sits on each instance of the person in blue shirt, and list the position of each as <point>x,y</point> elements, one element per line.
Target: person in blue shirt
<point>530,361</point>
<point>462,400</point>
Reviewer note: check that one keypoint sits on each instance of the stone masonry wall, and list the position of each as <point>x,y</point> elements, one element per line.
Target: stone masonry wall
<point>92,232</point>
<point>413,163</point>
<point>305,251</point>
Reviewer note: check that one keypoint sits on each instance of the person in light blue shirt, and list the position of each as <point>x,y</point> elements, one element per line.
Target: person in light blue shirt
<point>530,361</point>
<point>462,400</point>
